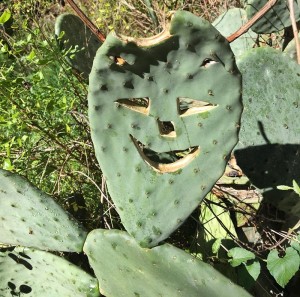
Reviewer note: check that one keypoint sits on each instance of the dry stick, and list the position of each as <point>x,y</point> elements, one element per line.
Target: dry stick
<point>295,29</point>
<point>252,21</point>
<point>287,236</point>
<point>86,20</point>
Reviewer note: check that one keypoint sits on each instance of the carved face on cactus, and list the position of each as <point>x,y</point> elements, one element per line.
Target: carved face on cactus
<point>164,115</point>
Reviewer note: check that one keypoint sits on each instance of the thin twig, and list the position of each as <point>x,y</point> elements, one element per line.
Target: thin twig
<point>94,183</point>
<point>295,29</point>
<point>252,21</point>
<point>287,236</point>
<point>102,189</point>
<point>86,20</point>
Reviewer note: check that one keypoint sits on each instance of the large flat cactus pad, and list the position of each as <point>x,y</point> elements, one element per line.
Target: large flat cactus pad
<point>164,116</point>
<point>29,217</point>
<point>124,269</point>
<point>269,147</point>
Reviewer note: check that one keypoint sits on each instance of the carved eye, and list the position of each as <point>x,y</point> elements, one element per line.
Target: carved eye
<point>141,105</point>
<point>208,62</point>
<point>187,106</point>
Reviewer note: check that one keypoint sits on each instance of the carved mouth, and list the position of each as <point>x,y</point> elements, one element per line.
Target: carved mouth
<point>166,162</point>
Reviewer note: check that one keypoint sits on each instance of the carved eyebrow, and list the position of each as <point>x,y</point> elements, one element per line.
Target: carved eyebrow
<point>141,105</point>
<point>187,106</point>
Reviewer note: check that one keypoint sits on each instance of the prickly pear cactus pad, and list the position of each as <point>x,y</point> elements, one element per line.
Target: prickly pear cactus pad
<point>124,269</point>
<point>164,116</point>
<point>229,22</point>
<point>271,97</point>
<point>32,273</point>
<point>28,217</point>
<point>276,19</point>
<point>269,144</point>
<point>76,36</point>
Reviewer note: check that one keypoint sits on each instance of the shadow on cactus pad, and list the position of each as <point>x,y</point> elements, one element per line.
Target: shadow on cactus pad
<point>270,165</point>
<point>34,272</point>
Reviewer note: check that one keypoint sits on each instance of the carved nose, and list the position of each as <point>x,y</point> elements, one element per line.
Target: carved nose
<point>166,128</point>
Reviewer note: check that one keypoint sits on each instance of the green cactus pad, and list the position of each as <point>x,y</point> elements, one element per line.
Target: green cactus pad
<point>269,147</point>
<point>80,37</point>
<point>124,269</point>
<point>276,19</point>
<point>28,217</point>
<point>32,273</point>
<point>229,22</point>
<point>164,116</point>
<point>271,87</point>
<point>290,50</point>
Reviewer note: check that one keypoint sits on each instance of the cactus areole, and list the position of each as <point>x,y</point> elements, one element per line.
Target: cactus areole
<point>164,114</point>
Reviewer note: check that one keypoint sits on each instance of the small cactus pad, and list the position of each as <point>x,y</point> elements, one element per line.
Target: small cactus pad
<point>31,273</point>
<point>164,116</point>
<point>291,49</point>
<point>28,217</point>
<point>269,147</point>
<point>77,36</point>
<point>229,22</point>
<point>276,19</point>
<point>124,269</point>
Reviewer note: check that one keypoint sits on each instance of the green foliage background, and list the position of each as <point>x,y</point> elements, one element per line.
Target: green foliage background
<point>44,129</point>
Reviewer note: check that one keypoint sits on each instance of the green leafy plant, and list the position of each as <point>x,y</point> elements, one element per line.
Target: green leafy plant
<point>294,188</point>
<point>43,116</point>
<point>240,256</point>
<point>283,268</point>
<point>5,16</point>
